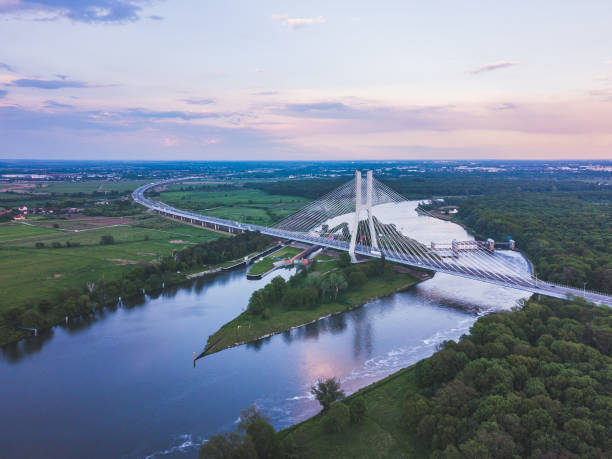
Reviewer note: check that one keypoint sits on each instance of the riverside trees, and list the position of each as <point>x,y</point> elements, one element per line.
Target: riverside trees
<point>309,288</point>
<point>531,383</point>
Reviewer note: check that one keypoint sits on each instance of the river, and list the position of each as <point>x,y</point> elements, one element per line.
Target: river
<point>122,383</point>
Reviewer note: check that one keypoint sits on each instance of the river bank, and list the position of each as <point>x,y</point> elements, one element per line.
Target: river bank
<point>161,406</point>
<point>382,429</point>
<point>445,403</point>
<point>153,277</point>
<point>248,327</point>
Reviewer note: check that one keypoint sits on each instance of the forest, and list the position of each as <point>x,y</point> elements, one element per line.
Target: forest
<point>432,184</point>
<point>534,382</point>
<point>568,236</point>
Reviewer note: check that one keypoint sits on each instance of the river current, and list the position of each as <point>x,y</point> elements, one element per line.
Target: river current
<point>123,383</point>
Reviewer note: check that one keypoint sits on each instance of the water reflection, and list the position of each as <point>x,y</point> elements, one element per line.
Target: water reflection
<point>133,367</point>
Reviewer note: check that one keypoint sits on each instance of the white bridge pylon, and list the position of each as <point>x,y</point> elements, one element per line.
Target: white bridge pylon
<point>327,222</point>
<point>359,206</point>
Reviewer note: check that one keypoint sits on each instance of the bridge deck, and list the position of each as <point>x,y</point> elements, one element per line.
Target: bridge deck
<point>472,271</point>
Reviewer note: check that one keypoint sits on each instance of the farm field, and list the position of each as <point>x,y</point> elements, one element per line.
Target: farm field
<point>22,264</point>
<point>88,186</point>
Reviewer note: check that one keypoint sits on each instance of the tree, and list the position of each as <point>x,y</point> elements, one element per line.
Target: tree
<point>32,318</point>
<point>277,286</point>
<point>264,439</point>
<point>357,279</point>
<point>11,315</point>
<point>344,259</point>
<point>327,391</point>
<point>249,415</point>
<point>107,239</point>
<point>332,285</point>
<point>228,445</point>
<point>337,417</point>
<point>257,302</point>
<point>358,410</point>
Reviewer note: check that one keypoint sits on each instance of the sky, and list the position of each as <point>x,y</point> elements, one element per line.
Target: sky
<point>255,80</point>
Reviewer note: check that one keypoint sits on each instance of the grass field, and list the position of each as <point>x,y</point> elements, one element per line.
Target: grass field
<point>267,263</point>
<point>88,186</point>
<point>246,205</point>
<point>382,431</point>
<point>23,266</point>
<point>247,327</point>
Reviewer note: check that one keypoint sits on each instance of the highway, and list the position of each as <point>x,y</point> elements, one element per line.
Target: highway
<point>469,271</point>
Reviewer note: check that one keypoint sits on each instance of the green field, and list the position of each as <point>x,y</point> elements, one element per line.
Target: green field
<point>246,205</point>
<point>381,431</point>
<point>247,327</point>
<point>267,263</point>
<point>22,265</point>
<point>88,186</point>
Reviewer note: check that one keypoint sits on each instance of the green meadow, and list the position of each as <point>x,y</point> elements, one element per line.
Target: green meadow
<point>49,269</point>
<point>243,204</point>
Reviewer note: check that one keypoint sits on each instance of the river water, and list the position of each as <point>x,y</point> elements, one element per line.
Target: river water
<point>123,383</point>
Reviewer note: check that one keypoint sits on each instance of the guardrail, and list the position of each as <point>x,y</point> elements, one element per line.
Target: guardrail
<point>492,277</point>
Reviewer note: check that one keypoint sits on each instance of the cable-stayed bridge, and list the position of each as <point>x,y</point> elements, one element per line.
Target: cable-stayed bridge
<point>358,217</point>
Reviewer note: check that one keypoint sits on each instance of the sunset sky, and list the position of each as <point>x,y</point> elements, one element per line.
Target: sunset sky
<point>229,79</point>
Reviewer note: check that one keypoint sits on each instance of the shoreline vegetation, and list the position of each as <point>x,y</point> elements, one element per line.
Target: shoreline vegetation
<point>328,286</point>
<point>531,382</point>
<point>151,276</point>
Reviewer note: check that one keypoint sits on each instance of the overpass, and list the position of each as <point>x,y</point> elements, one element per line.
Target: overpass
<point>316,224</point>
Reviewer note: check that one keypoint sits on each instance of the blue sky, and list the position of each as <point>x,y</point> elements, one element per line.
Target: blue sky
<point>117,79</point>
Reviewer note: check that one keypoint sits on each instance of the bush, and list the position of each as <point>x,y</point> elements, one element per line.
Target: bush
<point>56,245</point>
<point>107,240</point>
<point>357,279</point>
<point>358,410</point>
<point>40,245</point>
<point>337,418</point>
<point>44,306</point>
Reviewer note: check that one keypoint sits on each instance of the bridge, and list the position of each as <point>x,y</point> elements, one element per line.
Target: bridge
<point>335,221</point>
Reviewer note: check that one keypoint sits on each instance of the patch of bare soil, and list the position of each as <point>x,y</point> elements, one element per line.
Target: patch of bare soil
<point>121,261</point>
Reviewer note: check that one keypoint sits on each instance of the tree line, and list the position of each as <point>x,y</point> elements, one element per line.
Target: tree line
<point>568,236</point>
<point>309,288</point>
<point>534,382</point>
<point>152,276</point>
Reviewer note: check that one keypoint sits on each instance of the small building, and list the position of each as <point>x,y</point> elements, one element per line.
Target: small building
<point>19,217</point>
<point>23,209</point>
<point>449,210</point>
